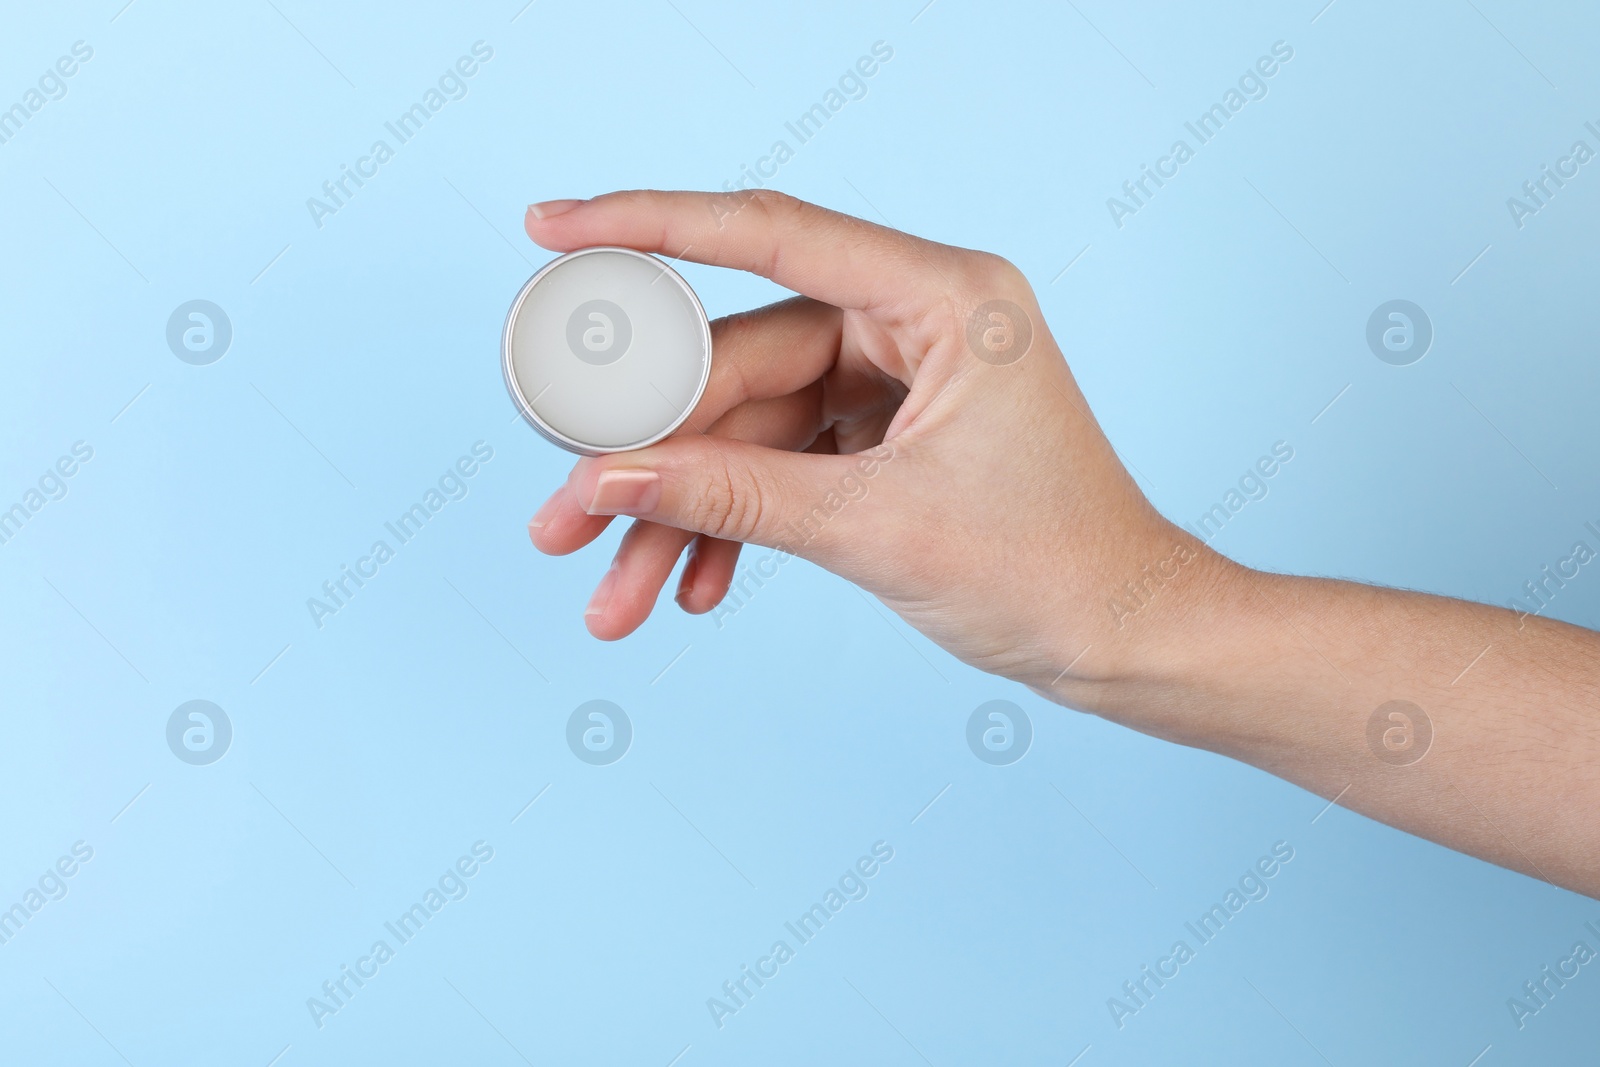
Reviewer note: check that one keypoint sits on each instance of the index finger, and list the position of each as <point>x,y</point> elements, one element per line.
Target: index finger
<point>828,256</point>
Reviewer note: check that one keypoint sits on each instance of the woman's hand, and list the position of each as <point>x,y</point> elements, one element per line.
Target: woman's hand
<point>908,423</point>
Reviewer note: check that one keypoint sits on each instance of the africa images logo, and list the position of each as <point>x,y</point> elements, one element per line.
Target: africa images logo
<point>1399,733</point>
<point>599,332</point>
<point>199,732</point>
<point>199,332</point>
<point>599,732</point>
<point>1399,332</point>
<point>999,733</point>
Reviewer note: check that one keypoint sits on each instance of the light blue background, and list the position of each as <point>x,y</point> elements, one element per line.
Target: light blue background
<point>770,753</point>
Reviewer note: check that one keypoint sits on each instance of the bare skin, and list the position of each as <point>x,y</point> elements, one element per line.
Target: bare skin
<point>998,521</point>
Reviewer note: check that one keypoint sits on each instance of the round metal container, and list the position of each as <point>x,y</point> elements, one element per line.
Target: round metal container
<point>605,350</point>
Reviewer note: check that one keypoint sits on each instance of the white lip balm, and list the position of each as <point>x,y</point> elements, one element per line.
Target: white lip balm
<point>606,349</point>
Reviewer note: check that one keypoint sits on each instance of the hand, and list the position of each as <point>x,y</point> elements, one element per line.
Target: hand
<point>909,424</point>
<point>881,426</point>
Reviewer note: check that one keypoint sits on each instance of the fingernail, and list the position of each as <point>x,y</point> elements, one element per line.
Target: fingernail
<point>551,208</point>
<point>686,583</point>
<point>602,594</point>
<point>542,516</point>
<point>625,492</point>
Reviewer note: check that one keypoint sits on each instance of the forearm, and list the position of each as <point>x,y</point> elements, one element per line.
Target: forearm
<point>1502,761</point>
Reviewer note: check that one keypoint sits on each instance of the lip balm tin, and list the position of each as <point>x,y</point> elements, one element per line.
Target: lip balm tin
<point>606,349</point>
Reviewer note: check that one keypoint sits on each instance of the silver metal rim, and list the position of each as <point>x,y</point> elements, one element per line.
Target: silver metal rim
<point>549,432</point>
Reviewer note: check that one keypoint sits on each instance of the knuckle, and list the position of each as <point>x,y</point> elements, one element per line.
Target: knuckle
<point>630,199</point>
<point>779,215</point>
<point>990,273</point>
<point>775,206</point>
<point>994,308</point>
<point>735,328</point>
<point>729,507</point>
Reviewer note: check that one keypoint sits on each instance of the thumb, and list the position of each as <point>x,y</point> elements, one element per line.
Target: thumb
<point>799,503</point>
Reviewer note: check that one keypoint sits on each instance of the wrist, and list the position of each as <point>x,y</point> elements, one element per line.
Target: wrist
<point>1155,637</point>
